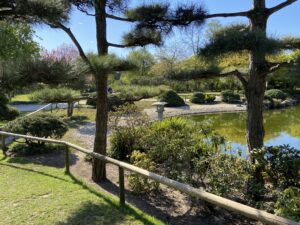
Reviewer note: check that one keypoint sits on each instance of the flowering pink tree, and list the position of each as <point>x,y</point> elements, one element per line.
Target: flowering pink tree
<point>64,52</point>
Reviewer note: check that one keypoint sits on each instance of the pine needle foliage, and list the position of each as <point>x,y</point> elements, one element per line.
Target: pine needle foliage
<point>35,11</point>
<point>237,38</point>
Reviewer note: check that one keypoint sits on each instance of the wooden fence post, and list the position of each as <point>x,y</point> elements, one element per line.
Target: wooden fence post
<point>67,161</point>
<point>3,145</point>
<point>121,186</point>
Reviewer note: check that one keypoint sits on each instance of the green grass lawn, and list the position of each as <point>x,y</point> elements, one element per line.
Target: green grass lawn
<point>21,98</point>
<point>36,194</point>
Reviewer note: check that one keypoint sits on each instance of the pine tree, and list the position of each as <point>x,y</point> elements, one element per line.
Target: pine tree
<point>151,23</point>
<point>34,11</point>
<point>253,39</point>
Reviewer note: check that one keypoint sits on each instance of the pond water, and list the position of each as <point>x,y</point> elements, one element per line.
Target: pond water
<point>282,127</point>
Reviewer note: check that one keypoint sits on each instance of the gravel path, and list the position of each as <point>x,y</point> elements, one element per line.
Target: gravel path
<point>34,107</point>
<point>197,109</point>
<point>86,133</point>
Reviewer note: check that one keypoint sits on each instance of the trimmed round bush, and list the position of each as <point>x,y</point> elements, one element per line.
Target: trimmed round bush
<point>276,94</point>
<point>198,98</point>
<point>3,99</point>
<point>7,112</point>
<point>27,150</point>
<point>210,98</point>
<point>230,97</point>
<point>172,99</point>
<point>40,125</point>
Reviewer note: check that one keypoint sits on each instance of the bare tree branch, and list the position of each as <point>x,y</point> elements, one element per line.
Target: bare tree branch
<point>82,9</point>
<point>274,66</point>
<point>280,6</point>
<point>246,13</point>
<point>117,45</point>
<point>119,18</point>
<point>242,79</point>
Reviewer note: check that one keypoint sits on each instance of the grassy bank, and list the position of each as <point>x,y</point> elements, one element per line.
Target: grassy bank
<point>36,194</point>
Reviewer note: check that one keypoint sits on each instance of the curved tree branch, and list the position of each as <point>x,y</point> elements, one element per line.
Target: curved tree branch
<point>274,66</point>
<point>85,11</point>
<point>119,18</point>
<point>245,13</point>
<point>117,45</point>
<point>280,6</point>
<point>73,38</point>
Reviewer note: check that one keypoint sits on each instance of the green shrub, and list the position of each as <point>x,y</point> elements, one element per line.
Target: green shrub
<point>8,113</point>
<point>230,97</point>
<point>3,99</point>
<point>177,147</point>
<point>188,153</point>
<point>124,137</point>
<point>131,92</point>
<point>26,150</point>
<point>122,143</point>
<point>276,94</point>
<point>210,98</point>
<point>228,174</point>
<point>38,125</point>
<point>172,99</point>
<point>280,165</point>
<point>198,98</point>
<point>136,182</point>
<point>288,204</point>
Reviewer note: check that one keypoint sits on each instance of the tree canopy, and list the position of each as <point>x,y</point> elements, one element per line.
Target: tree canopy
<point>16,40</point>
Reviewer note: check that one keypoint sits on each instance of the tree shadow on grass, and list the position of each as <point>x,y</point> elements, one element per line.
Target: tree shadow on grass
<point>34,171</point>
<point>92,214</point>
<point>96,214</point>
<point>54,159</point>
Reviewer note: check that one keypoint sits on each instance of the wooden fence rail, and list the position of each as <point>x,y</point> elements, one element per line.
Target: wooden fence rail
<point>230,205</point>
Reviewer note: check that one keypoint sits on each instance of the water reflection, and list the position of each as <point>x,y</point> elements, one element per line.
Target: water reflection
<point>282,126</point>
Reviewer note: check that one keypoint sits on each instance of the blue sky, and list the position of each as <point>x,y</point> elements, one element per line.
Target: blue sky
<point>282,23</point>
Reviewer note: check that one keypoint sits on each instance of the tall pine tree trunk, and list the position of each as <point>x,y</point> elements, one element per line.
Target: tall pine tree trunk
<point>257,81</point>
<point>99,171</point>
<point>255,94</point>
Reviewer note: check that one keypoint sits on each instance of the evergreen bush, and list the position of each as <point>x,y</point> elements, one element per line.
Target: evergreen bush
<point>39,125</point>
<point>276,94</point>
<point>7,112</point>
<point>198,98</point>
<point>230,97</point>
<point>172,99</point>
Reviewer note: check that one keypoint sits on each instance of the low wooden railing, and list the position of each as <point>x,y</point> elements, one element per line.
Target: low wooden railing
<point>230,205</point>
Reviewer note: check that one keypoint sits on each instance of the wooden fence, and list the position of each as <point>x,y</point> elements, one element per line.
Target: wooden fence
<point>230,205</point>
